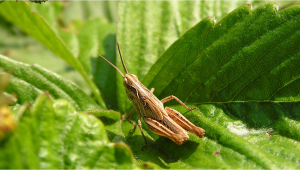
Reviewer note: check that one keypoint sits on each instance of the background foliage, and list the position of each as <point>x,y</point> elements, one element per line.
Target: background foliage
<point>240,69</point>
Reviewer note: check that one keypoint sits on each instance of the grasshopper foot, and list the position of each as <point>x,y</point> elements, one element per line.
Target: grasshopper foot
<point>143,148</point>
<point>193,108</point>
<point>132,130</point>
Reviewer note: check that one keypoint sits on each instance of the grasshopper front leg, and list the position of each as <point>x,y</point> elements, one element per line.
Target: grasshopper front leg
<point>128,119</point>
<point>134,125</point>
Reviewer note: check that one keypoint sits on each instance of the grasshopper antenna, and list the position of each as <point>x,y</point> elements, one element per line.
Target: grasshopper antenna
<point>112,65</point>
<point>122,59</point>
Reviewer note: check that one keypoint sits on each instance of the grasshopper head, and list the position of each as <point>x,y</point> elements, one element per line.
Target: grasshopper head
<point>130,79</point>
<point>131,82</point>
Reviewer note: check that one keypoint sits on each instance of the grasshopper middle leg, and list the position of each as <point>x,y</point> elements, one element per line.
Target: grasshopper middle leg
<point>140,126</point>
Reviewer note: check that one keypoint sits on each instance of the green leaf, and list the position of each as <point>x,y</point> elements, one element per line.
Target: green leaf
<point>247,56</point>
<point>34,25</point>
<point>107,113</point>
<point>28,81</point>
<point>147,28</point>
<point>54,135</point>
<point>242,74</point>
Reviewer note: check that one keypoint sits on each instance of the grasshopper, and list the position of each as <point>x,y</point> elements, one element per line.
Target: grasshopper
<point>161,120</point>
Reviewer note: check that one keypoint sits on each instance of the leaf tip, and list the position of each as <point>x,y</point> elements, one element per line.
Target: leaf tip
<point>213,19</point>
<point>250,5</point>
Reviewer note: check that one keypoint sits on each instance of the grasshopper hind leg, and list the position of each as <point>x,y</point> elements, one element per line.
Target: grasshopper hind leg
<point>162,130</point>
<point>184,123</point>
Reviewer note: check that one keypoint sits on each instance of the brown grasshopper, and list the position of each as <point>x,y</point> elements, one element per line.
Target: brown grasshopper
<point>161,120</point>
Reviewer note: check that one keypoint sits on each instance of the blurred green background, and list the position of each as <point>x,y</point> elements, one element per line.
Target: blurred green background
<point>67,17</point>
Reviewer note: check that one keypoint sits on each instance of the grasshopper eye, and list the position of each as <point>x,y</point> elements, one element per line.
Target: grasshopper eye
<point>125,81</point>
